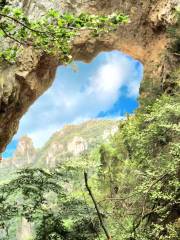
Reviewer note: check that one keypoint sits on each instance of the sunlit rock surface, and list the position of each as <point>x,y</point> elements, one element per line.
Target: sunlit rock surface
<point>77,146</point>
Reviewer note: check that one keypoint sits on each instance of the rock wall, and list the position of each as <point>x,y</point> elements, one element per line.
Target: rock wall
<point>144,38</point>
<point>77,146</point>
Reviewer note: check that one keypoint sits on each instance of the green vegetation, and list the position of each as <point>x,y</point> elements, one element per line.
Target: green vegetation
<point>41,198</point>
<point>52,34</point>
<point>143,165</point>
<point>134,178</point>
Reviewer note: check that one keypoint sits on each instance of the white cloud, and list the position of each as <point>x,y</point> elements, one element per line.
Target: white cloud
<point>42,135</point>
<point>133,88</point>
<point>105,84</point>
<point>82,95</point>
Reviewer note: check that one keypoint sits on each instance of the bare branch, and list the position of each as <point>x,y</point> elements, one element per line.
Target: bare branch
<point>96,206</point>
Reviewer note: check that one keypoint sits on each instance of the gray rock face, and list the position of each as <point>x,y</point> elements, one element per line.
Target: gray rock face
<point>52,153</point>
<point>77,146</point>
<point>144,39</point>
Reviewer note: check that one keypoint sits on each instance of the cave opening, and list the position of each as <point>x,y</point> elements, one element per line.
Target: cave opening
<point>105,88</point>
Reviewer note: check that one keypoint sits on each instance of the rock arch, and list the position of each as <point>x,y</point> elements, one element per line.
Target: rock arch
<point>144,38</point>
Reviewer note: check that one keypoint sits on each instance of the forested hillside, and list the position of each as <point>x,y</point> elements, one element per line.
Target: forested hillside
<point>134,178</point>
<point>67,144</point>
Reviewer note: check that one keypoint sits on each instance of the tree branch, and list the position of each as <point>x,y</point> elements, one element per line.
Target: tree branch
<point>11,37</point>
<point>22,24</point>
<point>149,189</point>
<point>96,206</point>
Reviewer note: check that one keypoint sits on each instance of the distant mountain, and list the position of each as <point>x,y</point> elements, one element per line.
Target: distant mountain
<point>69,142</point>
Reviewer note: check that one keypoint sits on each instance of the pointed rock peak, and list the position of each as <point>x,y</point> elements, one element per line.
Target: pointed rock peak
<point>25,152</point>
<point>25,144</point>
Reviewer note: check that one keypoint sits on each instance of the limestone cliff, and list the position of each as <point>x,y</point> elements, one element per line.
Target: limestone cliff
<point>25,152</point>
<point>24,155</point>
<point>74,140</point>
<point>145,39</point>
<point>69,142</point>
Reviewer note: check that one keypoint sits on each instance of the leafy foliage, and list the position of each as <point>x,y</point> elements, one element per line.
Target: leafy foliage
<point>52,34</point>
<point>40,197</point>
<point>144,160</point>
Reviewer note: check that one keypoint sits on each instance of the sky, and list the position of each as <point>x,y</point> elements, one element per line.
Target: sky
<point>108,87</point>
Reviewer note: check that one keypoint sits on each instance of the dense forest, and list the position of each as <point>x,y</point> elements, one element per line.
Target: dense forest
<point>124,189</point>
<point>134,184</point>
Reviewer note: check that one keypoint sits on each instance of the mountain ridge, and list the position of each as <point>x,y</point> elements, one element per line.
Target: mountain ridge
<point>68,142</point>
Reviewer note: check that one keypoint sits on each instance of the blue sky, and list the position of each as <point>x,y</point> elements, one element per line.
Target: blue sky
<point>105,88</point>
